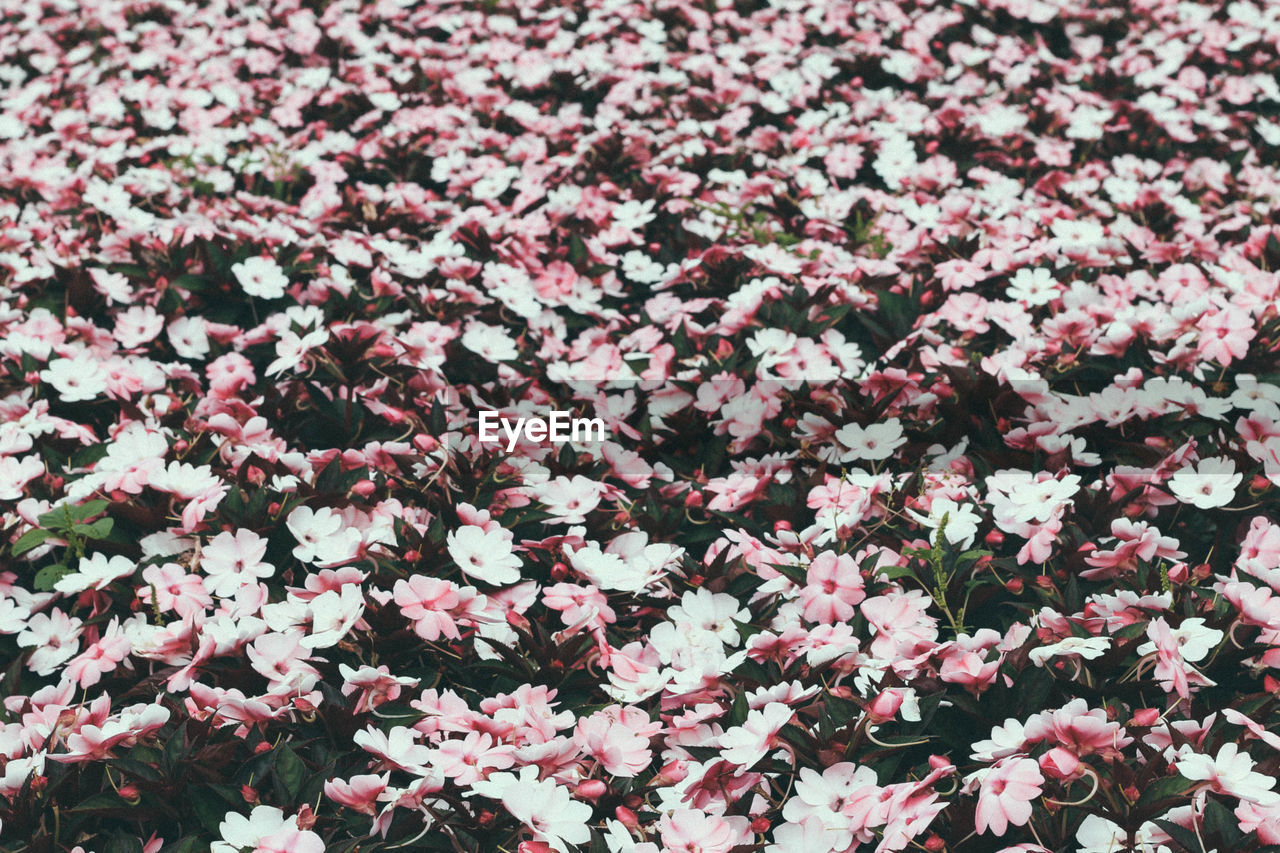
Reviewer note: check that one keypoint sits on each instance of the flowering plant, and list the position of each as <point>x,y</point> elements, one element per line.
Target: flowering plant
<point>936,354</point>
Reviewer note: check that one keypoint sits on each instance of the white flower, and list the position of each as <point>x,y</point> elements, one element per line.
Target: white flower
<point>484,555</point>
<point>1230,772</point>
<point>1195,641</point>
<point>261,277</point>
<point>1211,483</point>
<point>492,343</point>
<point>750,742</point>
<point>311,527</point>
<point>76,379</point>
<point>555,817</point>
<point>1034,287</point>
<point>1086,647</point>
<point>871,443</point>
<point>962,520</point>
<point>265,824</point>
<point>95,572</point>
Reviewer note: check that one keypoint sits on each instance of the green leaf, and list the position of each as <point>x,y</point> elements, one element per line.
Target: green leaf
<point>1219,821</point>
<point>50,575</point>
<point>209,807</point>
<point>122,842</point>
<point>105,801</point>
<point>1185,837</point>
<point>290,770</point>
<point>31,540</point>
<point>1167,788</point>
<point>189,844</point>
<point>89,509</point>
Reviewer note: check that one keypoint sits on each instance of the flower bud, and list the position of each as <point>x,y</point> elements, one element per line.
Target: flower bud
<point>534,847</point>
<point>250,794</point>
<point>937,762</point>
<point>1059,763</point>
<point>591,789</point>
<point>885,706</point>
<point>672,773</point>
<point>994,537</point>
<point>627,817</point>
<point>1145,717</point>
<point>364,488</point>
<point>760,825</point>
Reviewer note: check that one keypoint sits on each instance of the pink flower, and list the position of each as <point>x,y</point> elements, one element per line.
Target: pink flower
<point>266,830</point>
<point>750,742</point>
<point>690,831</point>
<point>1006,793</point>
<point>358,792</point>
<point>833,588</point>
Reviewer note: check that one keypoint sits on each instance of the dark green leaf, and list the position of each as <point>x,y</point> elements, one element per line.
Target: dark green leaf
<point>50,575</point>
<point>31,540</point>
<point>290,770</point>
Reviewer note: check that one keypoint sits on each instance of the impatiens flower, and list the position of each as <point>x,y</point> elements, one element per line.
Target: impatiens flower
<point>265,830</point>
<point>692,831</point>
<point>1210,483</point>
<point>261,277</point>
<point>484,555</point>
<point>961,521</point>
<point>232,560</point>
<point>1005,795</point>
<point>844,800</point>
<point>873,443</point>
<point>95,572</point>
<point>543,806</point>
<point>833,588</point>
<point>750,742</point>
<point>1230,772</point>
<point>360,792</point>
<point>76,380</point>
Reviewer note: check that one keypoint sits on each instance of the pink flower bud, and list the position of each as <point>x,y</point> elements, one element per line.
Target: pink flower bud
<point>671,773</point>
<point>591,789</point>
<point>627,817</point>
<point>1146,717</point>
<point>885,706</point>
<point>1059,763</point>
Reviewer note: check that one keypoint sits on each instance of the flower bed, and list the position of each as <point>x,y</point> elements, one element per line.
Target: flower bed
<point>934,350</point>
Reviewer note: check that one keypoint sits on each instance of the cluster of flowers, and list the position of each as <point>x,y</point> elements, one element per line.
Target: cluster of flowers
<point>937,350</point>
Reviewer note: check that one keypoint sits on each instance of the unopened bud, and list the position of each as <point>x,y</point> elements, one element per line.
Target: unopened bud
<point>591,789</point>
<point>1059,763</point>
<point>1145,717</point>
<point>672,773</point>
<point>627,817</point>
